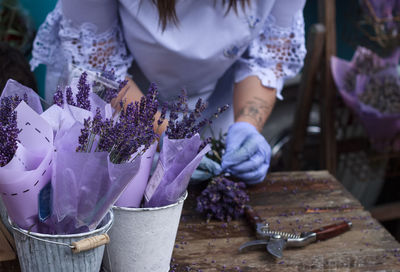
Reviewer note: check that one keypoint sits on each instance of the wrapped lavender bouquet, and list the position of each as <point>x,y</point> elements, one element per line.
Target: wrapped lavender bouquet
<point>26,153</point>
<point>369,85</point>
<point>97,159</point>
<point>180,154</point>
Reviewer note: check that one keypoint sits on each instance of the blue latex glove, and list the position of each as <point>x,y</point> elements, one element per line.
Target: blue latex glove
<point>206,170</point>
<point>247,153</point>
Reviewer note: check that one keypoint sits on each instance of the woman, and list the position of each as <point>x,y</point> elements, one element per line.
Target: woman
<point>237,52</point>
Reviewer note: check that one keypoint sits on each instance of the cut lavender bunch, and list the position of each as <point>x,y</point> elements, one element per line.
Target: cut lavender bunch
<point>383,94</point>
<point>223,199</point>
<point>187,125</point>
<point>132,132</point>
<point>9,130</point>
<point>81,99</point>
<point>174,169</point>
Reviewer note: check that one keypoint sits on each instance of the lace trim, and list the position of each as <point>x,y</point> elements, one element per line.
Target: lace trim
<point>267,76</point>
<point>276,54</point>
<point>83,47</point>
<point>46,46</point>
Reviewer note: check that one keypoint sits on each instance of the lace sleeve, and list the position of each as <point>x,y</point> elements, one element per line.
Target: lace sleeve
<point>276,54</point>
<point>59,42</point>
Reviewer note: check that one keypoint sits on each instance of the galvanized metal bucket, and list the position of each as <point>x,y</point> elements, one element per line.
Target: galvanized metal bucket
<point>81,252</point>
<point>142,239</point>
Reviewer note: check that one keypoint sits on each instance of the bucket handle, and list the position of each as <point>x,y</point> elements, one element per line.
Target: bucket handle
<point>78,246</point>
<point>90,243</point>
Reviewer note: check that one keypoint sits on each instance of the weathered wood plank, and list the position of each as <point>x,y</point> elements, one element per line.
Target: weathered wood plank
<point>310,200</point>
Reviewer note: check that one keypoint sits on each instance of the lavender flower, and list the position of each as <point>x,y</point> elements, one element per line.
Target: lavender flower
<point>84,137</point>
<point>164,108</point>
<point>58,97</point>
<point>82,98</point>
<point>69,96</point>
<point>223,199</point>
<point>8,128</point>
<point>110,74</point>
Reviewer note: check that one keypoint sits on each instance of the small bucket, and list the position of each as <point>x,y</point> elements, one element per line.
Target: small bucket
<point>81,252</point>
<point>142,239</point>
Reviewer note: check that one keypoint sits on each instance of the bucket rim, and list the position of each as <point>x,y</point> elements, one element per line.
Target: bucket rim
<point>180,200</point>
<point>106,227</point>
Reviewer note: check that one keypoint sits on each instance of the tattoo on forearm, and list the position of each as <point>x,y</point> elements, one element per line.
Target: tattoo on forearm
<point>256,109</point>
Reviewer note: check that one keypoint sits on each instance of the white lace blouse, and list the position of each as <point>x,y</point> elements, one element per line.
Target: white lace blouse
<point>266,40</point>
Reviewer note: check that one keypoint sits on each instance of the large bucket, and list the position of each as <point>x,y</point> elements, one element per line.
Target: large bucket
<point>142,239</point>
<point>43,252</point>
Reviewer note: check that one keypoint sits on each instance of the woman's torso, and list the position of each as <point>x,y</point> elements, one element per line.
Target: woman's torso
<point>195,53</point>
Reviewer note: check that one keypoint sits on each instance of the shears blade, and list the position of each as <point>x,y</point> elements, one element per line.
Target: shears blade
<point>252,243</point>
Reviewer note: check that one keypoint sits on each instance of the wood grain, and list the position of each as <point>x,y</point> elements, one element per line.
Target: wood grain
<point>291,202</point>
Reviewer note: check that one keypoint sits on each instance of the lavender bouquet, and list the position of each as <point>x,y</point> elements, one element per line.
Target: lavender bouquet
<point>370,86</point>
<point>181,153</point>
<point>26,154</point>
<point>90,162</point>
<point>97,159</point>
<point>223,198</point>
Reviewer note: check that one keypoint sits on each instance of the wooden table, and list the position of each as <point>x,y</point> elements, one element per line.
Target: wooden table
<point>291,202</point>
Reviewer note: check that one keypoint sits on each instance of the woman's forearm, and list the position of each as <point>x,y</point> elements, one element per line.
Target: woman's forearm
<point>252,102</point>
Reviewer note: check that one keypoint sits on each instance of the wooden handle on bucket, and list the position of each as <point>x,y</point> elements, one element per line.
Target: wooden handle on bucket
<point>91,242</point>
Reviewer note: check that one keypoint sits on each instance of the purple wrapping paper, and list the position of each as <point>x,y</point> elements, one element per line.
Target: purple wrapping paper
<point>133,194</point>
<point>381,127</point>
<point>30,169</point>
<point>378,125</point>
<point>13,88</point>
<point>85,185</point>
<point>178,160</point>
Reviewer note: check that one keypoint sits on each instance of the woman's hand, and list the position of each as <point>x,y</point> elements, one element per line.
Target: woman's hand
<point>131,93</point>
<point>247,154</point>
<point>206,170</point>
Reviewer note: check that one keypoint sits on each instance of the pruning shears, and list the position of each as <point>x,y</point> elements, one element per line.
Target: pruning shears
<point>276,241</point>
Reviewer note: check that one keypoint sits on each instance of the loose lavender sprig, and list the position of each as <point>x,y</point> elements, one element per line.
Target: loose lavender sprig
<point>223,199</point>
<point>8,128</point>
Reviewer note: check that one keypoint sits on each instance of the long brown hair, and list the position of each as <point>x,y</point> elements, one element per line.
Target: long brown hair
<point>167,12</point>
